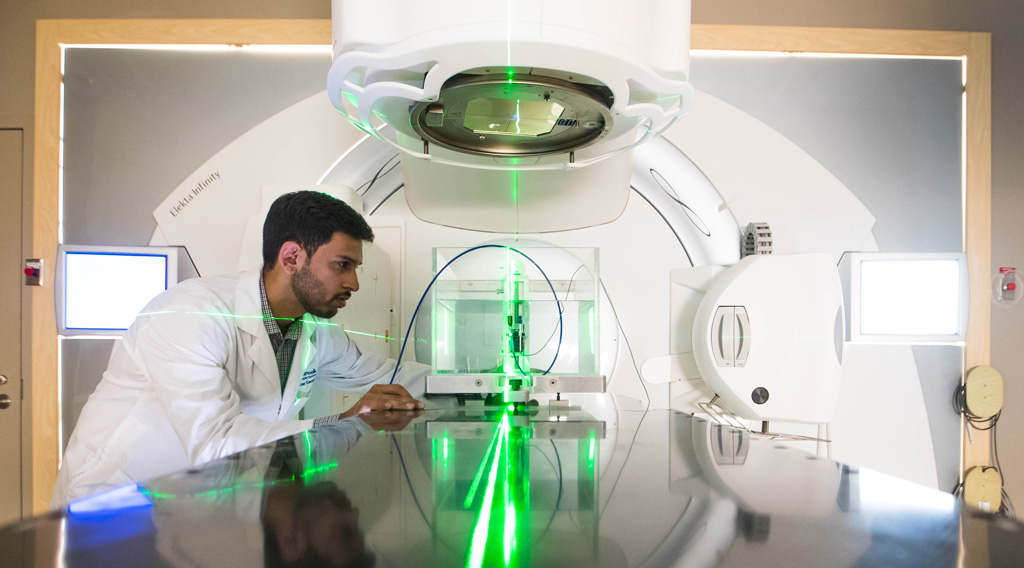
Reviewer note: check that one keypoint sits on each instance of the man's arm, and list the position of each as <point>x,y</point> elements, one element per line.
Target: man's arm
<point>184,355</point>
<point>345,367</point>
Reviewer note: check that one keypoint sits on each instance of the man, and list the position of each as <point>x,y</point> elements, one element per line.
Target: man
<point>217,365</point>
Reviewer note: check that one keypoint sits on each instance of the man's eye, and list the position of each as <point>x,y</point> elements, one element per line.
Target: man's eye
<point>343,265</point>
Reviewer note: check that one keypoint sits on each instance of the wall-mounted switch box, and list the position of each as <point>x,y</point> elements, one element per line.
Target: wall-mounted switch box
<point>33,272</point>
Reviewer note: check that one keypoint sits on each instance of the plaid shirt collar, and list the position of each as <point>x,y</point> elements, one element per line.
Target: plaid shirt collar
<point>277,338</point>
<point>284,348</point>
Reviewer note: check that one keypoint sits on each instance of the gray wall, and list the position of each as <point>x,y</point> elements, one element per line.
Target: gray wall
<point>124,155</point>
<point>889,129</point>
<point>1003,18</point>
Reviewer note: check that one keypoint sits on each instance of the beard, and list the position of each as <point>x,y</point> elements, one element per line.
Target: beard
<point>312,294</point>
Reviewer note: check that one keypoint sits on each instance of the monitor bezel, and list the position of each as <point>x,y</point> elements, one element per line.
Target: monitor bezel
<point>851,272</point>
<point>60,276</point>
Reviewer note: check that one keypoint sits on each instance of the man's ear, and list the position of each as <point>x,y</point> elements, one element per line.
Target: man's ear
<point>291,257</point>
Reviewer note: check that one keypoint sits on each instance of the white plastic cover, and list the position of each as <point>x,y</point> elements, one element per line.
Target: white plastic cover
<point>792,345</point>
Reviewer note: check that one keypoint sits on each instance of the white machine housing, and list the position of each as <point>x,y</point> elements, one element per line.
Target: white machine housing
<point>768,337</point>
<point>624,69</point>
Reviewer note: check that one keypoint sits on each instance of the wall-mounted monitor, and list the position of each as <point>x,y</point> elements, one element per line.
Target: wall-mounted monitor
<point>100,289</point>
<point>905,297</point>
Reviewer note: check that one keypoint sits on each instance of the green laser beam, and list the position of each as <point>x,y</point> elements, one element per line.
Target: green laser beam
<point>309,471</point>
<point>480,470</point>
<point>305,321</point>
<point>478,544</point>
<point>508,44</point>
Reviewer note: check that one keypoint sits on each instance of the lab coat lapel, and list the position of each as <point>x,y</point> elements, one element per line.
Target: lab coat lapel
<point>302,373</point>
<point>250,321</point>
<point>262,354</point>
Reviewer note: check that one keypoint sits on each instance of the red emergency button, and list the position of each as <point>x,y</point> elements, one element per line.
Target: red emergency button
<point>29,271</point>
<point>1011,286</point>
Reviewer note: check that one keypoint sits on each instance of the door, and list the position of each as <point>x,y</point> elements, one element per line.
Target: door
<point>11,280</point>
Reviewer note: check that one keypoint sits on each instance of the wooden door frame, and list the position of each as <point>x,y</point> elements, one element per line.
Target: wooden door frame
<point>53,35</point>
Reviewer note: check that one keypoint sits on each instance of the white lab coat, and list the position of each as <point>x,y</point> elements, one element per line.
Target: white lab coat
<point>195,378</point>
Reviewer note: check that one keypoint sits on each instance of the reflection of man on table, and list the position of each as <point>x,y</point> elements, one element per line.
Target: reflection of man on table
<point>217,365</point>
<point>313,523</point>
<point>281,504</point>
<point>313,526</point>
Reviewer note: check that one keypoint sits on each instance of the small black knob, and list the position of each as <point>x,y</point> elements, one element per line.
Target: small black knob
<point>760,395</point>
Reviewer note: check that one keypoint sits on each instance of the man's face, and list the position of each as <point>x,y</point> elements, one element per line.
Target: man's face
<point>315,525</point>
<point>327,279</point>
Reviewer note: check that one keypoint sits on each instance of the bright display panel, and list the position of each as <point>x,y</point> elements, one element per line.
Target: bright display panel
<point>910,297</point>
<point>103,291</point>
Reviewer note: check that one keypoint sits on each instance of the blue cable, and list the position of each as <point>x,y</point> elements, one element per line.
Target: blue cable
<point>558,305</point>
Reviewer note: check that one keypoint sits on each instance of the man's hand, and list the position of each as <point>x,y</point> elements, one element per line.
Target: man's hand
<point>390,421</point>
<point>384,397</point>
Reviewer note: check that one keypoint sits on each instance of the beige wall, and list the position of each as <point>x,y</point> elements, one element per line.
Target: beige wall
<point>1003,18</point>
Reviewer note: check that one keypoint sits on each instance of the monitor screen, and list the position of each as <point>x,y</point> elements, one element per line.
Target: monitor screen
<point>909,297</point>
<point>906,297</point>
<point>100,289</point>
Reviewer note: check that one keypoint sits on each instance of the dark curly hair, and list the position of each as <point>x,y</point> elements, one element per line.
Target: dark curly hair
<point>309,218</point>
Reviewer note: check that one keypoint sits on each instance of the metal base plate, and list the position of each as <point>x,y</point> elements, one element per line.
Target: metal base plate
<point>493,384</point>
<point>557,424</point>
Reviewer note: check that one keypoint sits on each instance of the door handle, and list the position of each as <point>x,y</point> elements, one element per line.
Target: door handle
<point>5,402</point>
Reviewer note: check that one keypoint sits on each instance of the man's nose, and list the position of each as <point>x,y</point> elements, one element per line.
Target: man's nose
<point>353,282</point>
